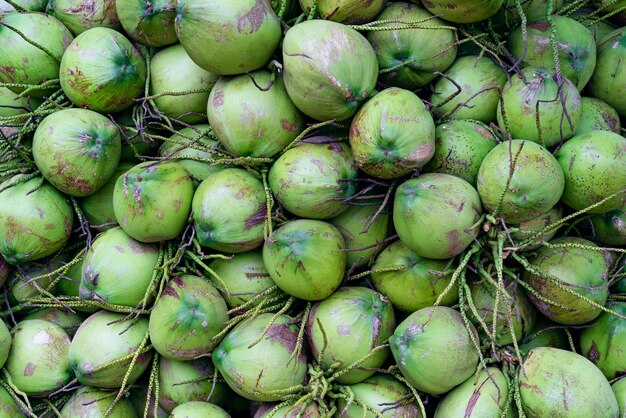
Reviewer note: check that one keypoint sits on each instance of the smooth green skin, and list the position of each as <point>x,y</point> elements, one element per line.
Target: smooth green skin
<point>229,211</point>
<point>418,284</point>
<point>558,383</point>
<point>520,102</point>
<point>250,122</point>
<point>305,258</point>
<point>460,148</point>
<point>528,229</point>
<point>244,275</point>
<point>115,339</point>
<point>236,36</point>
<point>13,105</point>
<point>433,349</point>
<point>576,48</point>
<point>178,150</point>
<point>89,402</point>
<point>29,5</point>
<point>77,150</point>
<point>150,22</point>
<point>362,244</point>
<point>619,389</point>
<point>603,344</point>
<point>186,318</point>
<point>431,50</point>
<point>142,208</point>
<point>103,71</point>
<point>8,407</point>
<point>68,320</point>
<point>355,320</point>
<point>485,394</point>
<point>577,267</point>
<point>311,180</point>
<point>79,16</point>
<point>5,343</point>
<point>609,228</point>
<point>98,206</point>
<point>23,63</point>
<point>432,212</point>
<point>480,80</point>
<point>172,393</point>
<point>534,188</point>
<point>173,71</point>
<point>345,11</point>
<point>35,225</point>
<point>393,134</point>
<point>523,313</point>
<point>197,409</point>
<point>545,334</point>
<point>380,392</point>
<point>597,116</point>
<point>463,11</point>
<point>588,161</point>
<point>267,366</point>
<point>329,69</point>
<point>118,269</point>
<point>29,281</point>
<point>608,80</point>
<point>38,362</point>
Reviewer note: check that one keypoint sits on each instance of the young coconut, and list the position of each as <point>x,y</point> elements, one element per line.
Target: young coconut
<point>255,358</point>
<point>38,360</point>
<point>5,342</point>
<point>197,409</point>
<point>619,389</point>
<point>392,135</point>
<point>597,116</point>
<point>272,410</point>
<point>463,11</point>
<point>527,230</point>
<point>78,17</point>
<point>34,279</point>
<point>63,317</point>
<point>8,406</point>
<point>105,365</point>
<point>186,318</point>
<point>151,22</point>
<point>230,211</point>
<point>305,258</point>
<point>607,82</point>
<point>142,208</point>
<point>545,334</point>
<point>344,11</point>
<point>608,228</point>
<point>92,402</point>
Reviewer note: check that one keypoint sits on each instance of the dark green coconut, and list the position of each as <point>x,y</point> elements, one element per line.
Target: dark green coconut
<point>66,319</point>
<point>92,402</point>
<point>608,82</point>
<point>32,280</point>
<point>608,228</point>
<point>597,116</point>
<point>98,206</point>
<point>619,389</point>
<point>545,334</point>
<point>150,22</point>
<point>463,11</point>
<point>78,16</point>
<point>345,11</point>
<point>5,343</point>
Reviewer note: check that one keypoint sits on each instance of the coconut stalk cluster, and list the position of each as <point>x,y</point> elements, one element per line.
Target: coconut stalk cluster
<point>313,208</point>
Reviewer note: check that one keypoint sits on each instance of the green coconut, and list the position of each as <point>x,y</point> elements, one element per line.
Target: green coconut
<point>364,229</point>
<point>252,114</point>
<point>32,280</point>
<point>24,63</point>
<point>344,11</point>
<point>345,327</point>
<point>77,150</point>
<point>529,229</point>
<point>608,228</point>
<point>409,58</point>
<point>411,282</point>
<point>5,343</point>
<point>275,410</point>
<point>196,409</point>
<point>63,317</point>
<point>27,5</point>
<point>588,160</point>
<point>103,71</point>
<point>436,215</point>
<point>172,72</point>
<point>244,276</point>
<point>480,81</point>
<point>11,104</point>
<point>460,148</point>
<point>230,211</point>
<point>236,36</point>
<point>186,318</point>
<point>105,364</point>
<point>433,349</point>
<point>256,371</point>
<point>69,283</point>
<point>608,80</point>
<point>581,270</point>
<point>93,402</point>
<point>38,360</point>
<point>545,334</point>
<point>485,394</point>
<point>79,16</point>
<point>575,43</point>
<point>603,343</point>
<point>332,81</point>
<point>509,15</point>
<point>35,220</point>
<point>305,258</point>
<point>185,381</point>
<point>312,180</point>
<point>150,22</point>
<point>619,389</point>
<point>463,11</point>
<point>392,135</point>
<point>597,116</point>
<point>118,270</point>
<point>8,406</point>
<point>521,180</point>
<point>98,206</point>
<point>379,396</point>
<point>142,208</point>
<point>557,383</point>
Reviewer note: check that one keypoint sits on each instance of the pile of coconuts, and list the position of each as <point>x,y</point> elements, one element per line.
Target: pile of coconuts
<point>312,208</point>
